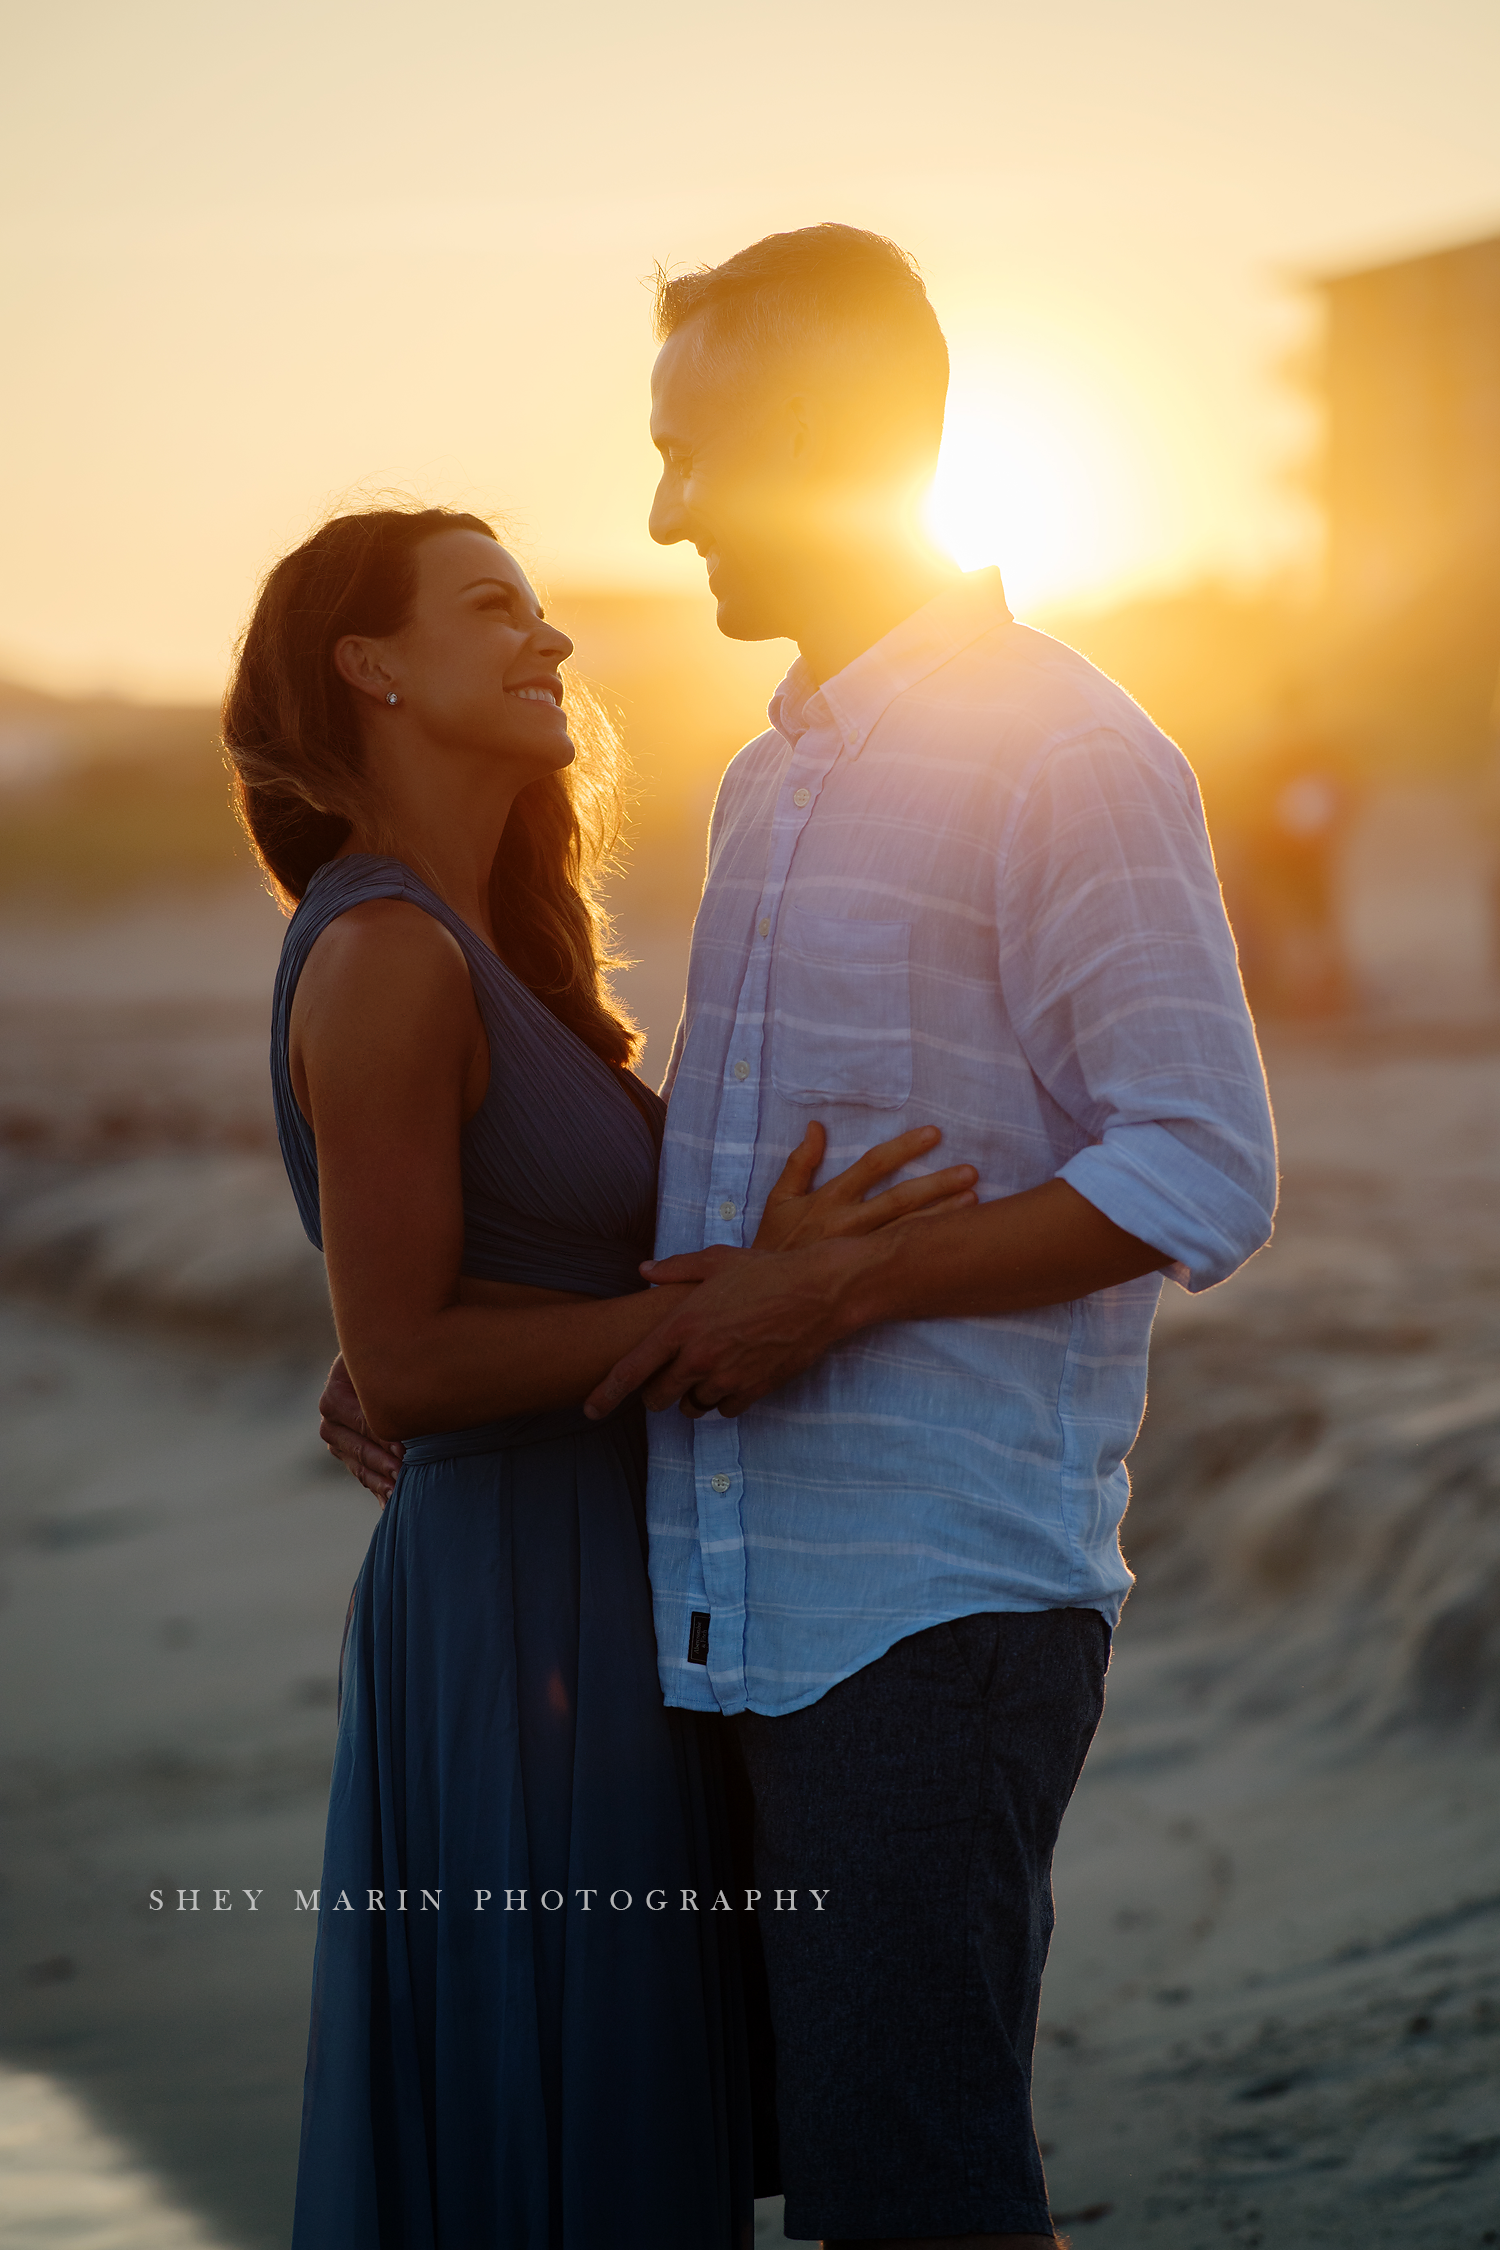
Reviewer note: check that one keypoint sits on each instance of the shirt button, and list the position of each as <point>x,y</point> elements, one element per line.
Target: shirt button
<point>800,797</point>
<point>720,1483</point>
<point>742,1070</point>
<point>726,1210</point>
<point>763,926</point>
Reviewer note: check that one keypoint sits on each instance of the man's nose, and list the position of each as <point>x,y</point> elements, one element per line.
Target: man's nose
<point>667,522</point>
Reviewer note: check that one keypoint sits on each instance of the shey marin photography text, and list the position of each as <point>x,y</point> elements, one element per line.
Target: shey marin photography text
<point>480,1901</point>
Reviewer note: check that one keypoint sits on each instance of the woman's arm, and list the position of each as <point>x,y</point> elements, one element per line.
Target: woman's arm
<point>388,1059</point>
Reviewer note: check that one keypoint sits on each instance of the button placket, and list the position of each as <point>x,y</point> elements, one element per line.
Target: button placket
<point>738,1118</point>
<point>716,1443</point>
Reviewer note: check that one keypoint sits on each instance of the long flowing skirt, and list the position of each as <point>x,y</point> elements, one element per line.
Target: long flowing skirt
<point>527,2022</point>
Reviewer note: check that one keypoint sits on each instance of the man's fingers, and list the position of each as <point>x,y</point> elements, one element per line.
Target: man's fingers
<point>669,1388</point>
<point>687,1380</point>
<point>627,1375</point>
<point>701,1398</point>
<point>687,1265</point>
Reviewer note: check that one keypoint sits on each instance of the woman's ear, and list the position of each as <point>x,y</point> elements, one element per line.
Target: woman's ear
<point>358,663</point>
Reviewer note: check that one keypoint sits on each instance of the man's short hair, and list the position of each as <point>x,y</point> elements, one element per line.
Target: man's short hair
<point>818,289</point>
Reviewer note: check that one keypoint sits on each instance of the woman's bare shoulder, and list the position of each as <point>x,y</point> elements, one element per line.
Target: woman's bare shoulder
<point>385,938</point>
<point>386,972</point>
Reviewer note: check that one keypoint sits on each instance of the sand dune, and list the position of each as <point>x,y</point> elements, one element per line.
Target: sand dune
<point>1320,1466</point>
<point>1273,2009</point>
<point>207,1242</point>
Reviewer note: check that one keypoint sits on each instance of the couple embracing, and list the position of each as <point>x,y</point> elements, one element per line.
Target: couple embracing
<point>695,1798</point>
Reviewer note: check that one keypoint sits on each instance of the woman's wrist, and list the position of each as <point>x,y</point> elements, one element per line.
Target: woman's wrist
<point>849,1274</point>
<point>662,1298</point>
<point>842,1272</point>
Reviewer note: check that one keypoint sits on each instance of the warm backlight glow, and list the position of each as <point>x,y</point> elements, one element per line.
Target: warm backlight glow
<point>1035,478</point>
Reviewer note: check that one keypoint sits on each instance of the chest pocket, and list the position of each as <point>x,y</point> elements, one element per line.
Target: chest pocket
<point>841,1010</point>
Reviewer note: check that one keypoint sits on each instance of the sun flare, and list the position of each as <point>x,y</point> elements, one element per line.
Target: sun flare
<point>1034,478</point>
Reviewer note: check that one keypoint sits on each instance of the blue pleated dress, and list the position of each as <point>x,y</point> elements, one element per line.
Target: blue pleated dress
<point>527,2020</point>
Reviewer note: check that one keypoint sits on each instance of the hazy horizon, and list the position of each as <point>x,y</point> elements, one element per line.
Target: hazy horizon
<point>253,269</point>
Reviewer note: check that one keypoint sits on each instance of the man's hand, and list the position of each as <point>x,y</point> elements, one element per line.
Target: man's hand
<point>776,1306</point>
<point>348,1436</point>
<point>756,1319</point>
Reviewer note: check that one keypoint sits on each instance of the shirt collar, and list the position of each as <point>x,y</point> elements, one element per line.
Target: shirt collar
<point>856,698</point>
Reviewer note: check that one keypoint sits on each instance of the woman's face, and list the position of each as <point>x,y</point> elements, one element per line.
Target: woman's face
<point>476,664</point>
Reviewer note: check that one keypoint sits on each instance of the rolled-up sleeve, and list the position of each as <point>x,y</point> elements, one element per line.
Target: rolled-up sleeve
<point>1120,975</point>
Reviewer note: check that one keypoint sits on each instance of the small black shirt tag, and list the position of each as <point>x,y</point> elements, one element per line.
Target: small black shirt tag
<point>698,1637</point>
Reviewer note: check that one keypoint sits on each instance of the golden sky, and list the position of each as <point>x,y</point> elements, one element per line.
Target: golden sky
<point>256,257</point>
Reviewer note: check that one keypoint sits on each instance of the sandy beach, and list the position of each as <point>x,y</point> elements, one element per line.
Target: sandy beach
<point>1273,2008</point>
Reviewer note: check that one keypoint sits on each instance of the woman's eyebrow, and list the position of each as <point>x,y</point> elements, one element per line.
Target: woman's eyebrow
<point>506,585</point>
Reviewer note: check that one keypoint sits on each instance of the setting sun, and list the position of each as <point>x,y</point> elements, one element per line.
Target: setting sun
<point>1034,477</point>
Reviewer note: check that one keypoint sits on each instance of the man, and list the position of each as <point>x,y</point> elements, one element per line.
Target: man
<point>962,880</point>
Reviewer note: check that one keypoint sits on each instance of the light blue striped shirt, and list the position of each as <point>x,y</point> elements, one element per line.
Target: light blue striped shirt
<point>965,883</point>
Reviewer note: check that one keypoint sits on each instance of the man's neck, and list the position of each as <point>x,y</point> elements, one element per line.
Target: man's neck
<point>857,600</point>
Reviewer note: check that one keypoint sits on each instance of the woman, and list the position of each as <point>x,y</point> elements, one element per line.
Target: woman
<point>523,2032</point>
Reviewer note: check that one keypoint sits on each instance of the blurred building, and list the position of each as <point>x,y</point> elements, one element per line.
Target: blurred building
<point>1411,494</point>
<point>1397,690</point>
<point>1411,381</point>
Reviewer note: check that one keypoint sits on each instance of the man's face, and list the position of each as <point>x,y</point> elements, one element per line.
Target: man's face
<point>733,482</point>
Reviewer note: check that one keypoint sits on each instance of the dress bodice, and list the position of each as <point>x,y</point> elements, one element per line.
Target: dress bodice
<point>558,1161</point>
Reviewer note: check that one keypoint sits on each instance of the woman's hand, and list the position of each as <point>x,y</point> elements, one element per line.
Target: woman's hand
<point>375,1461</point>
<point>796,1214</point>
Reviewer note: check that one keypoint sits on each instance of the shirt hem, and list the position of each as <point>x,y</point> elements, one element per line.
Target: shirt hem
<point>768,1707</point>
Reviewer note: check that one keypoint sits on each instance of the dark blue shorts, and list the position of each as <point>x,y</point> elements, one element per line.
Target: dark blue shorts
<point>924,1796</point>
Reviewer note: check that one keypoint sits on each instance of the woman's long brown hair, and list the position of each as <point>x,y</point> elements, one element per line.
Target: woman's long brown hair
<point>300,787</point>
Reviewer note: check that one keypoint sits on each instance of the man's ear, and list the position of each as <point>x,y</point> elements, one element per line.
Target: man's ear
<point>804,429</point>
<point>358,663</point>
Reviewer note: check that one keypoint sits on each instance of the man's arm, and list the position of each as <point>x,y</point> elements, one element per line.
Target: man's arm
<point>758,1319</point>
<point>1119,974</point>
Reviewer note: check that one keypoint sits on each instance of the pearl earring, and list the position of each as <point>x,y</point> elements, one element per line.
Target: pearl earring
<point>393,698</point>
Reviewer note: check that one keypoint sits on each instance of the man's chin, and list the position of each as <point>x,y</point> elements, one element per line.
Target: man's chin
<point>742,619</point>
